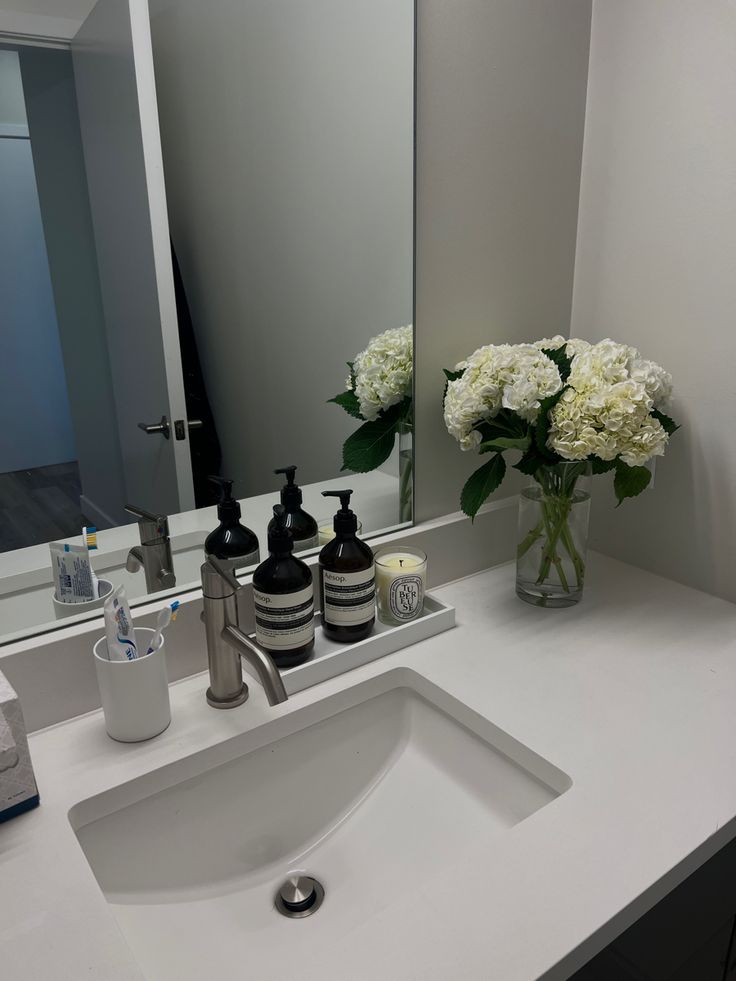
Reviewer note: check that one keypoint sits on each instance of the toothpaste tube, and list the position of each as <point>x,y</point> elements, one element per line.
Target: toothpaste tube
<point>119,627</point>
<point>72,573</point>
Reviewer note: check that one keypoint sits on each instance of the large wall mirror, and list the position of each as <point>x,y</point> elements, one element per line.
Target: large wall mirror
<point>207,215</point>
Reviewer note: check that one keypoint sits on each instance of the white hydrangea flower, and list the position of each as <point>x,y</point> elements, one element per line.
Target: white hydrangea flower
<point>574,345</point>
<point>656,381</point>
<point>606,412</point>
<point>509,376</point>
<point>383,372</point>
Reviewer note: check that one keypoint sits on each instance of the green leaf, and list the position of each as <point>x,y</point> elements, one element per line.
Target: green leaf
<point>349,402</point>
<point>601,466</point>
<point>669,425</point>
<point>369,446</point>
<point>629,481</point>
<point>481,484</point>
<point>502,443</point>
<point>505,425</point>
<point>543,423</point>
<point>400,412</point>
<point>561,359</point>
<point>531,461</point>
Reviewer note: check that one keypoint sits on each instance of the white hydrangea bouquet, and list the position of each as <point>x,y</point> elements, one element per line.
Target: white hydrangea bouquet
<point>571,409</point>
<point>379,392</point>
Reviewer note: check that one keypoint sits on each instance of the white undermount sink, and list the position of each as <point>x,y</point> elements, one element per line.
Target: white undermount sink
<point>370,791</point>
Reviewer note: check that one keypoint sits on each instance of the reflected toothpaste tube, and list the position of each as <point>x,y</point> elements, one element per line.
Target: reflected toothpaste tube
<point>72,573</point>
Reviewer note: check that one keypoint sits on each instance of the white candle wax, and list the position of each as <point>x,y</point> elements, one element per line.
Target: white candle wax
<point>325,534</point>
<point>401,579</point>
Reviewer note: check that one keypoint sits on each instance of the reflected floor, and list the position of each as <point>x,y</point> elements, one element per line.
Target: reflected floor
<point>39,505</point>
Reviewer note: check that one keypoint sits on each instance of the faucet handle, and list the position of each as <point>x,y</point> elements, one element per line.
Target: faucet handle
<point>227,575</point>
<point>153,527</point>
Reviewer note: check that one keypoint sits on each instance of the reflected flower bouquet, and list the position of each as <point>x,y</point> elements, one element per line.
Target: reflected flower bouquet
<point>378,391</point>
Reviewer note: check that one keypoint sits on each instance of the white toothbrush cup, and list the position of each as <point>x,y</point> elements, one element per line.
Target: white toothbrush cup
<point>73,609</point>
<point>135,694</point>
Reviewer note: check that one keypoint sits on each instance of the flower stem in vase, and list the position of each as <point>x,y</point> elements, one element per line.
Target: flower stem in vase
<point>553,525</point>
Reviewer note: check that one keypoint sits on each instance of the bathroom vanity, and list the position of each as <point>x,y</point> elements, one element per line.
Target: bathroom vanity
<point>500,801</point>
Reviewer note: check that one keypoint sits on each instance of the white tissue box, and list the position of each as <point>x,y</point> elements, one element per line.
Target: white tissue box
<point>18,791</point>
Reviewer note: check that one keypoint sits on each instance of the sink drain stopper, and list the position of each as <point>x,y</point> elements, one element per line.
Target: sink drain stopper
<point>299,896</point>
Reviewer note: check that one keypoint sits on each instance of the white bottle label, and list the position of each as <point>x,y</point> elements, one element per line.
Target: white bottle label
<point>406,596</point>
<point>349,597</point>
<point>284,620</point>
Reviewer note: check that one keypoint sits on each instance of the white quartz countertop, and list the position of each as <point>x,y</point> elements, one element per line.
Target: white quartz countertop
<point>632,693</point>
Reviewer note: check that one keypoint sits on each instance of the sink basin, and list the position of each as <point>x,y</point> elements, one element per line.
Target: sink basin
<point>371,791</point>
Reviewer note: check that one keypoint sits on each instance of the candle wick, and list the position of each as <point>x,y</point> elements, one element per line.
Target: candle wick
<point>401,563</point>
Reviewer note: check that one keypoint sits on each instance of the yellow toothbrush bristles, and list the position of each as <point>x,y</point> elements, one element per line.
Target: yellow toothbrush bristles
<point>90,537</point>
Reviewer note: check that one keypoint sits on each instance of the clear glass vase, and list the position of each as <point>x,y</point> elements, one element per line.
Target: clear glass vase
<point>553,535</point>
<point>406,471</point>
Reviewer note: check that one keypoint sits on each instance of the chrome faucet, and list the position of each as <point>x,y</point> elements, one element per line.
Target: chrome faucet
<point>153,554</point>
<point>226,643</point>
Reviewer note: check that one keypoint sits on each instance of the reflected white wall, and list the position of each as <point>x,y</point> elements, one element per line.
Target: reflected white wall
<point>288,149</point>
<point>36,428</point>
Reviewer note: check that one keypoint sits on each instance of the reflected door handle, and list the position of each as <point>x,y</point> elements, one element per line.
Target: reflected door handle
<point>180,428</point>
<point>161,428</point>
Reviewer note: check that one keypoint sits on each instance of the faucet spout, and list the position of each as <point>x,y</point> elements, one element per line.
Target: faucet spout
<point>264,666</point>
<point>153,555</point>
<point>134,559</point>
<point>226,643</point>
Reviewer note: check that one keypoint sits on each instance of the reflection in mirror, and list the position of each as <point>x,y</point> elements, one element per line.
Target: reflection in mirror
<point>186,346</point>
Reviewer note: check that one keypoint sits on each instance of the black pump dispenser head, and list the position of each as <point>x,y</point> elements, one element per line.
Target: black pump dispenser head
<point>345,522</point>
<point>228,509</point>
<point>291,494</point>
<point>280,539</point>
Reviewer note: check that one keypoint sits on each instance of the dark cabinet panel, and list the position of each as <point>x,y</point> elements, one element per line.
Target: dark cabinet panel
<point>687,936</point>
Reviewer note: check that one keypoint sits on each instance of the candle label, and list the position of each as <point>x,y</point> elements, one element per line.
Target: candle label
<point>284,620</point>
<point>406,596</point>
<point>349,597</point>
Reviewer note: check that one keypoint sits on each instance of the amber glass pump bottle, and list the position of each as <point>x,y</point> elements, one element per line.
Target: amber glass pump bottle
<point>347,578</point>
<point>284,598</point>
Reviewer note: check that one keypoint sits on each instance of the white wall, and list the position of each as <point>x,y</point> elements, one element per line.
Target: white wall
<point>656,264</point>
<point>36,428</point>
<point>287,133</point>
<point>501,102</point>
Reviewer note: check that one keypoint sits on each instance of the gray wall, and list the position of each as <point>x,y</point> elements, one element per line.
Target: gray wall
<point>12,102</point>
<point>287,137</point>
<point>57,154</point>
<point>501,104</point>
<point>656,260</point>
<point>36,426</point>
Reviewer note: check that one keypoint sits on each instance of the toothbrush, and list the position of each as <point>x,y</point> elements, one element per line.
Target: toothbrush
<point>89,537</point>
<point>165,617</point>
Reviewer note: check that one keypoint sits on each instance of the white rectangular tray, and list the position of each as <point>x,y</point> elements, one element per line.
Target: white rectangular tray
<point>331,659</point>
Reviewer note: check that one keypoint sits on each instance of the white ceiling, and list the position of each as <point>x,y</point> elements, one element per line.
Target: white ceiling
<point>73,9</point>
<point>46,18</point>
